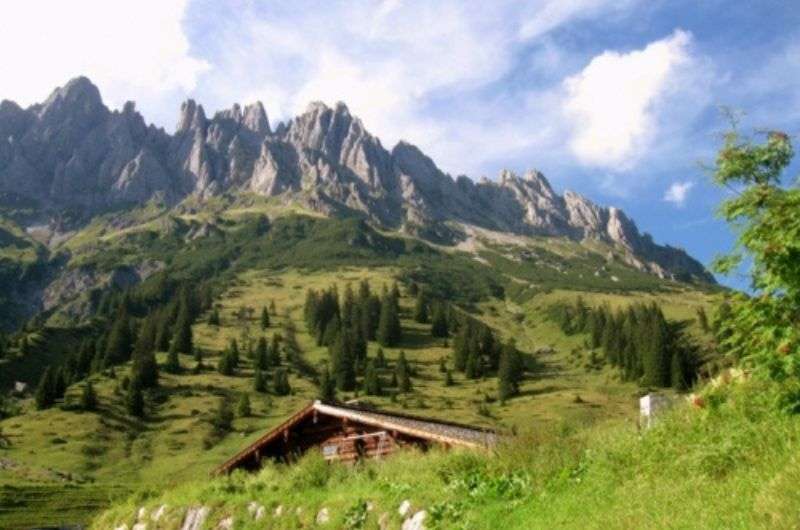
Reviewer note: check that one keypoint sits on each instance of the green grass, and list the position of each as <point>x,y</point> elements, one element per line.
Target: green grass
<point>732,465</point>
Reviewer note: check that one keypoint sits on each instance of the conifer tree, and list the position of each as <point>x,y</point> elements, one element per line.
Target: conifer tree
<point>198,358</point>
<point>442,365</point>
<point>45,395</point>
<point>259,381</point>
<point>59,383</point>
<point>145,367</point>
<point>389,330</point>
<point>243,407</point>
<point>233,349</point>
<point>380,359</point>
<point>677,372</point>
<point>343,363</point>
<point>24,346</point>
<point>439,326</point>
<point>173,364</point>
<point>473,367</point>
<point>134,402</point>
<point>421,307</point>
<point>120,340</point>
<point>281,383</point>
<point>372,382</point>
<point>327,387</point>
<point>264,319</point>
<point>182,341</point>
<point>226,364</point>
<point>275,350</point>
<point>509,372</point>
<point>223,417</point>
<point>448,378</point>
<point>88,397</point>
<point>272,308</point>
<point>213,319</point>
<point>403,376</point>
<point>164,332</point>
<point>262,357</point>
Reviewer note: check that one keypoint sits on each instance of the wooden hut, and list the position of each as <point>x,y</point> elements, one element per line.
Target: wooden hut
<point>349,432</point>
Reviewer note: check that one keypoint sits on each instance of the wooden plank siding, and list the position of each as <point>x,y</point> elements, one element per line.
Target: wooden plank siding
<point>347,433</point>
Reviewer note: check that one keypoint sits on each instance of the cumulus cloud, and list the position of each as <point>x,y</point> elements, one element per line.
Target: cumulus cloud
<point>614,102</point>
<point>678,192</point>
<point>131,50</point>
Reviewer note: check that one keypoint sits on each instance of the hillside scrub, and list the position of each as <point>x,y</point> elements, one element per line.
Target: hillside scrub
<point>730,464</point>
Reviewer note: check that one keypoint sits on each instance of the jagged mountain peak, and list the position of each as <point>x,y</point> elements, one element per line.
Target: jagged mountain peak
<point>72,151</point>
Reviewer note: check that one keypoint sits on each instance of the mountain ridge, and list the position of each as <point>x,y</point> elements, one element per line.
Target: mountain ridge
<point>71,151</point>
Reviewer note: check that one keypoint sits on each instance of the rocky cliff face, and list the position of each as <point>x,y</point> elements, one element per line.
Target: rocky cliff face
<point>72,151</point>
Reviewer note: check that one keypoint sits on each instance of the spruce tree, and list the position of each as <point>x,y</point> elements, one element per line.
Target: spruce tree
<point>380,359</point>
<point>389,330</point>
<point>44,395</point>
<point>327,387</point>
<point>120,340</point>
<point>509,372</point>
<point>243,407</point>
<point>421,308</point>
<point>213,319</point>
<point>281,383</point>
<point>343,363</point>
<point>173,364</point>
<point>233,350</point>
<point>403,376</point>
<point>264,319</point>
<point>59,383</point>
<point>223,417</point>
<point>275,350</point>
<point>259,381</point>
<point>448,378</point>
<point>272,308</point>
<point>372,381</point>
<point>677,372</point>
<point>439,326</point>
<point>262,358</point>
<point>88,397</point>
<point>226,364</point>
<point>134,401</point>
<point>182,340</point>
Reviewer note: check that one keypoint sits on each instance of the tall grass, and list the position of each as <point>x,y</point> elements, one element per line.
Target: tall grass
<point>733,464</point>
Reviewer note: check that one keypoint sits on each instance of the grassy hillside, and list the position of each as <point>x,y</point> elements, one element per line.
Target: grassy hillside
<point>62,446</point>
<point>730,465</point>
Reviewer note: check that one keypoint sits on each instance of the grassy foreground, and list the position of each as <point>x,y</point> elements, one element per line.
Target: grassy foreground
<point>732,464</point>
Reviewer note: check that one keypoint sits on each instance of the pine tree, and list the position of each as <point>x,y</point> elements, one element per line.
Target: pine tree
<point>264,319</point>
<point>24,346</point>
<point>389,329</point>
<point>380,359</point>
<point>509,372</point>
<point>275,350</point>
<point>402,371</point>
<point>164,332</point>
<point>262,358</point>
<point>223,417</point>
<point>343,363</point>
<point>233,350</point>
<point>145,367</point>
<point>134,402</point>
<point>421,308</point>
<point>44,395</point>
<point>677,372</point>
<point>327,387</point>
<point>461,348</point>
<point>448,378</point>
<point>182,341</point>
<point>213,319</point>
<point>372,382</point>
<point>259,381</point>
<point>226,364</point>
<point>442,365</point>
<point>120,339</point>
<point>88,397</point>
<point>439,326</point>
<point>272,308</point>
<point>59,383</point>
<point>473,367</point>
<point>281,383</point>
<point>243,407</point>
<point>173,364</point>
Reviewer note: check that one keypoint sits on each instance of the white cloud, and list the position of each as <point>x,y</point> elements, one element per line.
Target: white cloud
<point>614,102</point>
<point>132,50</point>
<point>678,192</point>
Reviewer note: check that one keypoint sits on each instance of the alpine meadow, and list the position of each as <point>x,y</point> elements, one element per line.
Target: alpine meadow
<point>247,322</point>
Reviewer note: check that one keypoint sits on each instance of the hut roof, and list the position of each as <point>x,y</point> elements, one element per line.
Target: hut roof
<point>426,428</point>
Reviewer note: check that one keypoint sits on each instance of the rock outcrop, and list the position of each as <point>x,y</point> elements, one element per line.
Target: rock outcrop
<point>72,151</point>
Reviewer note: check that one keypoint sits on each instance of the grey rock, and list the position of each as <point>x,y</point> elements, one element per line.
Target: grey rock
<point>195,518</point>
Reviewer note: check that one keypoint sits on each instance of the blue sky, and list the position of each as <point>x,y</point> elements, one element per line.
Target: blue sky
<point>618,100</point>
